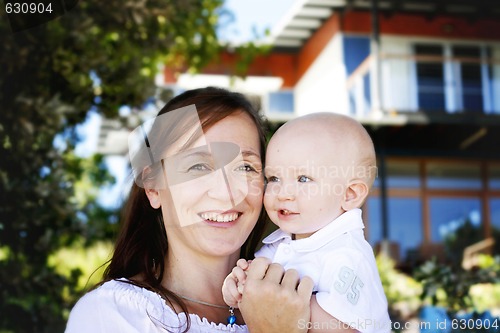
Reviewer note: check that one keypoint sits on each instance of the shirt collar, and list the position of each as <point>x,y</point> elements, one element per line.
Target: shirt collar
<point>346,222</point>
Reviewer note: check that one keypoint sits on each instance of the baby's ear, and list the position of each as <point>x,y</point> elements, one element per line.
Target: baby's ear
<point>355,194</point>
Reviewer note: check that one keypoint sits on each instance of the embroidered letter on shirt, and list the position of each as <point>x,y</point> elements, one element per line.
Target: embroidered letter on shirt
<point>348,282</point>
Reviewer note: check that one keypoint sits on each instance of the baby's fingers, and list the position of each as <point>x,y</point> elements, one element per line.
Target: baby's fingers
<point>230,292</point>
<point>239,274</point>
<point>243,264</point>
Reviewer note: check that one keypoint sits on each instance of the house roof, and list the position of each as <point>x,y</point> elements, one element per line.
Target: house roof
<point>306,16</point>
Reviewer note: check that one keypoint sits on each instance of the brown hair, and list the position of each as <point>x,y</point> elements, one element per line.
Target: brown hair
<point>142,244</point>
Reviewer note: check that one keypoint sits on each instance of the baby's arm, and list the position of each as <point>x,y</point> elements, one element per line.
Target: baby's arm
<point>234,282</point>
<point>322,321</point>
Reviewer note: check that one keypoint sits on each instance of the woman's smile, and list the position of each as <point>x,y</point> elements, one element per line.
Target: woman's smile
<point>220,217</point>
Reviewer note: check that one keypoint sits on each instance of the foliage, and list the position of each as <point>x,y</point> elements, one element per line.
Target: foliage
<point>86,262</point>
<point>401,290</point>
<point>486,296</point>
<point>450,286</point>
<point>100,55</point>
<point>455,242</point>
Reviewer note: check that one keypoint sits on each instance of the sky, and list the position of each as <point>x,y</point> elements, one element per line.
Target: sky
<point>250,19</point>
<point>253,15</point>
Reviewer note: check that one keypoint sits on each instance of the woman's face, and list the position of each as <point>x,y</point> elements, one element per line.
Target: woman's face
<point>215,187</point>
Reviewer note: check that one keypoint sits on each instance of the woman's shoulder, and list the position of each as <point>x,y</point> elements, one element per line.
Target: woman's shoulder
<point>121,292</point>
<point>121,306</point>
<point>116,305</point>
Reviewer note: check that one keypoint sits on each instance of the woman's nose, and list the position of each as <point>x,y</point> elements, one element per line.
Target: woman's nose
<point>224,188</point>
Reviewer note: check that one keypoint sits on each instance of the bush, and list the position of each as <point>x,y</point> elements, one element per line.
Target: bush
<point>457,289</point>
<point>402,291</point>
<point>86,264</point>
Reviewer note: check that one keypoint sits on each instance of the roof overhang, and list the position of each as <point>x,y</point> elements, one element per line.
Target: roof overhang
<point>306,16</point>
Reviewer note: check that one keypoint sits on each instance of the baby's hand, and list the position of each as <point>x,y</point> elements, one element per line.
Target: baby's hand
<point>234,283</point>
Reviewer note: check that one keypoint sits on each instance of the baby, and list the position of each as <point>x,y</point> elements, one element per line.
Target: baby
<point>319,170</point>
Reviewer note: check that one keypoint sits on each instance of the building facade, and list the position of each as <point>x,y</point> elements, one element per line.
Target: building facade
<point>424,79</point>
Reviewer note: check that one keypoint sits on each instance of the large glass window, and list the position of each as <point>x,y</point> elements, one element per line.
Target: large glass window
<point>453,77</point>
<point>470,77</point>
<point>449,214</point>
<point>495,213</point>
<point>494,177</point>
<point>403,175</point>
<point>374,218</point>
<point>405,224</point>
<point>430,78</point>
<point>453,176</point>
<point>281,102</point>
<point>454,194</point>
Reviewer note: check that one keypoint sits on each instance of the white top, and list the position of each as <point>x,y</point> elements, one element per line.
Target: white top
<point>342,265</point>
<point>118,306</point>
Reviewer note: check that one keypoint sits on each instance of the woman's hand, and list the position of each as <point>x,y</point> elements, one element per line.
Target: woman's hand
<point>274,300</point>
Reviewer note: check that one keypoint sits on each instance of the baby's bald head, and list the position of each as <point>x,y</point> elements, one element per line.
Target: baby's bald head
<point>342,138</point>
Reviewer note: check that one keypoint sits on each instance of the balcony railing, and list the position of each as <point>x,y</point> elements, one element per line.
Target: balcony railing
<point>410,83</point>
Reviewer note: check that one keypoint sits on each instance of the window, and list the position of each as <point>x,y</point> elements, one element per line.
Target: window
<point>281,102</point>
<point>405,227</point>
<point>374,218</point>
<point>453,77</point>
<point>495,213</point>
<point>494,177</point>
<point>403,175</point>
<point>449,207</point>
<point>449,214</point>
<point>470,80</point>
<point>430,78</point>
<point>453,176</point>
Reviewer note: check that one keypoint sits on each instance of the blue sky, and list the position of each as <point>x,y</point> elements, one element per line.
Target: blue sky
<point>251,18</point>
<point>251,15</point>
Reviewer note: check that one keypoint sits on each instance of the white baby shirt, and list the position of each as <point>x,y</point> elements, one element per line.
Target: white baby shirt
<point>342,265</point>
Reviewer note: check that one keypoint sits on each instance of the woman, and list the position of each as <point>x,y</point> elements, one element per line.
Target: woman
<point>195,208</point>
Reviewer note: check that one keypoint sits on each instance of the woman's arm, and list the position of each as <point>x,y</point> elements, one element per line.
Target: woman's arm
<point>275,301</point>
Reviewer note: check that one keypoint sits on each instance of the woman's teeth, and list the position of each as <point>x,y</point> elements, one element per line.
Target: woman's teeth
<point>285,211</point>
<point>216,217</point>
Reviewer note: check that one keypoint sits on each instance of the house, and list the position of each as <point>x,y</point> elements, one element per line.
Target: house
<point>423,77</point>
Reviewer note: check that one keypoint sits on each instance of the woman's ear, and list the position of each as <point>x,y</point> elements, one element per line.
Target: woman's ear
<point>152,193</point>
<point>355,195</point>
<point>153,197</point>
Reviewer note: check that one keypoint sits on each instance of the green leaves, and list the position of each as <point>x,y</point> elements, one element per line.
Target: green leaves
<point>100,55</point>
<point>451,284</point>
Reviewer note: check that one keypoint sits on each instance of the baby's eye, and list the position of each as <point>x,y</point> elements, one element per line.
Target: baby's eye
<point>199,167</point>
<point>273,179</point>
<point>303,179</point>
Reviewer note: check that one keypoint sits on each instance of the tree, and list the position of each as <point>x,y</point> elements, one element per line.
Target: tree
<point>99,55</point>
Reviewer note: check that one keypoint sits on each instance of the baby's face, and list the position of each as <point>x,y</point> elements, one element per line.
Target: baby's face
<point>306,182</point>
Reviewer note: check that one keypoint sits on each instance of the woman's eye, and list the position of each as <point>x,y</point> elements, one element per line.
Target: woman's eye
<point>303,179</point>
<point>246,168</point>
<point>199,167</point>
